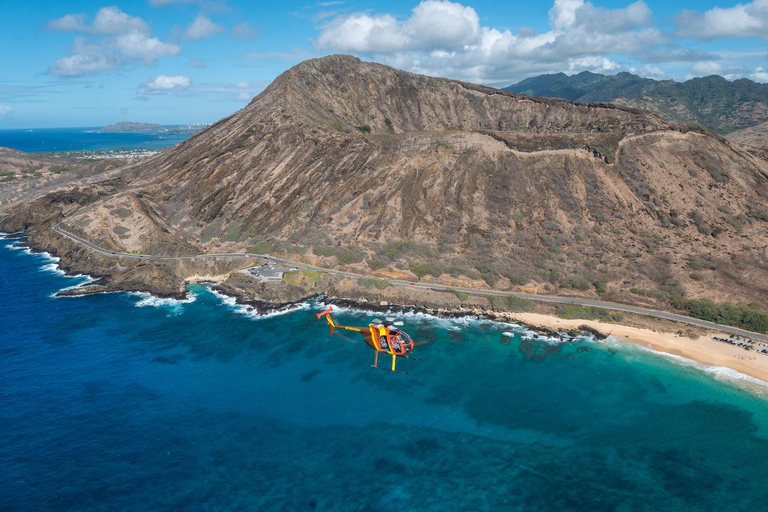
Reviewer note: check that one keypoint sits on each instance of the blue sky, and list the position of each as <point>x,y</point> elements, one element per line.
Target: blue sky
<point>91,63</point>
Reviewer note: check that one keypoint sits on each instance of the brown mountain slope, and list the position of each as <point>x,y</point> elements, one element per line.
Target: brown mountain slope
<point>756,136</point>
<point>346,163</point>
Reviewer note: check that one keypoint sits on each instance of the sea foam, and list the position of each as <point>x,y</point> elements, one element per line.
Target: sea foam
<point>720,373</point>
<point>175,306</point>
<point>250,311</point>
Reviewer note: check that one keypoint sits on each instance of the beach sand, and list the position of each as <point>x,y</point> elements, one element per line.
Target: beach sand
<point>704,349</point>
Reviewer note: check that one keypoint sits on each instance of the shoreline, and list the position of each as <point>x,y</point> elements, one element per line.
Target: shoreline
<point>703,350</point>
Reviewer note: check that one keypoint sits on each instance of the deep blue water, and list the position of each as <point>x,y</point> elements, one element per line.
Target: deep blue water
<point>108,406</point>
<point>76,139</point>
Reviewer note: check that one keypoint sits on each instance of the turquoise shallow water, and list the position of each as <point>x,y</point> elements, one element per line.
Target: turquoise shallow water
<point>111,403</point>
<point>83,139</point>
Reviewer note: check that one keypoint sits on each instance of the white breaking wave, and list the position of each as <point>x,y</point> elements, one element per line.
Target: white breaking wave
<point>250,311</point>
<point>54,268</point>
<point>22,248</point>
<point>176,306</point>
<point>720,373</point>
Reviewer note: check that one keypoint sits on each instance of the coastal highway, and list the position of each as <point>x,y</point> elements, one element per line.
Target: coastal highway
<point>578,301</point>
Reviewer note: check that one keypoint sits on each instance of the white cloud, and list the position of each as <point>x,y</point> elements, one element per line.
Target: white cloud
<point>202,28</point>
<point>69,23</point>
<point>146,49</point>
<point>446,38</point>
<point>116,39</point>
<point>434,24</point>
<point>760,75</point>
<point>244,96</point>
<point>245,31</point>
<point>742,20</point>
<point>162,84</point>
<point>111,20</point>
<point>5,111</point>
<point>706,68</point>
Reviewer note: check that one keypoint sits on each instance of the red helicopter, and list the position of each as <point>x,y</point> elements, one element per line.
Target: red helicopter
<point>380,338</point>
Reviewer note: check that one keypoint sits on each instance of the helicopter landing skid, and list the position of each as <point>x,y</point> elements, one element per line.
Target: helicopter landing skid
<point>388,370</point>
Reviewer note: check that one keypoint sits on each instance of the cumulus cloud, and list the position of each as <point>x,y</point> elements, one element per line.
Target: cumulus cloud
<point>447,38</point>
<point>434,24</point>
<point>760,75</point>
<point>162,84</point>
<point>245,31</point>
<point>742,20</point>
<point>116,38</point>
<point>706,68</point>
<point>5,111</point>
<point>202,28</point>
<point>69,23</point>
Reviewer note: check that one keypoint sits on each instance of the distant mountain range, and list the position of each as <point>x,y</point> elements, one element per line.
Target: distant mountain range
<point>132,127</point>
<point>718,104</point>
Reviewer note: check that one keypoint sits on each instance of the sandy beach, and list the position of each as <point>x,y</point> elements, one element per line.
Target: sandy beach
<point>704,349</point>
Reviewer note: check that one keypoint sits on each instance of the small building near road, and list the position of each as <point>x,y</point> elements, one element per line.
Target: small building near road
<point>269,272</point>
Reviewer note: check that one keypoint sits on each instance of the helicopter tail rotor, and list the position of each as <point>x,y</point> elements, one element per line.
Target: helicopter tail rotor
<point>327,315</point>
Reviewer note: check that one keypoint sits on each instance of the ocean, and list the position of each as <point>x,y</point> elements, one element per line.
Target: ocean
<point>127,402</point>
<point>78,139</point>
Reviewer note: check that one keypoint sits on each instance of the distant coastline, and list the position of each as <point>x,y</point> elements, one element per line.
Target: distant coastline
<point>150,128</point>
<point>58,140</point>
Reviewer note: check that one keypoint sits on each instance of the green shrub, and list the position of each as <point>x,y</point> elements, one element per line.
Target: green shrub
<point>573,312</point>
<point>459,295</point>
<point>426,268</point>
<point>576,283</point>
<point>517,304</point>
<point>348,255</point>
<point>263,248</point>
<point>600,284</point>
<point>748,317</point>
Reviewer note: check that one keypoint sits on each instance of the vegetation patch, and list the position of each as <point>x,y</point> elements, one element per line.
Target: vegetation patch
<point>426,268</point>
<point>121,212</point>
<point>573,312</point>
<point>513,304</point>
<point>576,283</point>
<point>379,284</point>
<point>306,279</point>
<point>211,231</point>
<point>749,317</point>
<point>263,248</point>
<point>459,295</point>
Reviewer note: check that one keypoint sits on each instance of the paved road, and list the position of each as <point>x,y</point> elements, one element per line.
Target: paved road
<point>439,287</point>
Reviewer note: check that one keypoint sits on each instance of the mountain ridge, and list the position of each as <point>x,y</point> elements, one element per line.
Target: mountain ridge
<point>720,105</point>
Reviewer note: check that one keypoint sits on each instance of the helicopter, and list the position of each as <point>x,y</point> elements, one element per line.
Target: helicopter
<point>380,338</point>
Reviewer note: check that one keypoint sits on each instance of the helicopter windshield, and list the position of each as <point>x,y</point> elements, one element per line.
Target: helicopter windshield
<point>403,339</point>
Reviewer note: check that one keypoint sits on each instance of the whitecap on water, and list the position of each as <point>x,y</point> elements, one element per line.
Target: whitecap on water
<point>250,311</point>
<point>508,334</point>
<point>174,305</point>
<point>720,373</point>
